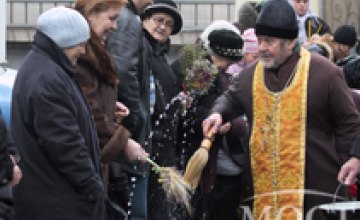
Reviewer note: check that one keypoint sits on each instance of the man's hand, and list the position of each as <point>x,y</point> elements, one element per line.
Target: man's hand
<point>212,123</point>
<point>349,171</point>
<point>121,112</point>
<point>135,152</point>
<point>225,128</point>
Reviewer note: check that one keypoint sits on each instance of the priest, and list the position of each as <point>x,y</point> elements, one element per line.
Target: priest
<point>302,118</point>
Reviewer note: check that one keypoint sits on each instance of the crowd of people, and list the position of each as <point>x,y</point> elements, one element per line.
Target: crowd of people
<point>96,98</point>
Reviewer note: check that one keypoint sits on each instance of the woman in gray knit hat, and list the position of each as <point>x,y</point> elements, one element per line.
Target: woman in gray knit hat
<point>53,128</point>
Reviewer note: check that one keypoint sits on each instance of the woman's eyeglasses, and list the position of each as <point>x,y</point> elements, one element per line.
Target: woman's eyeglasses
<point>301,1</point>
<point>162,21</point>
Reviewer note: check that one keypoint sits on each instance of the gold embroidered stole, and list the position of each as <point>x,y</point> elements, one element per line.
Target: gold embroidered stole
<point>278,145</point>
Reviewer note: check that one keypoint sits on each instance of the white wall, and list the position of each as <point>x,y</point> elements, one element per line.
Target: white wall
<point>2,31</point>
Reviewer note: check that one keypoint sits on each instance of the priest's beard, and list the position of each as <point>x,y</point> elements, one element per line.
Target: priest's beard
<point>272,59</point>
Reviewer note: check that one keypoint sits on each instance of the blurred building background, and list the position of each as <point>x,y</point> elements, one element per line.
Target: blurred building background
<point>21,16</point>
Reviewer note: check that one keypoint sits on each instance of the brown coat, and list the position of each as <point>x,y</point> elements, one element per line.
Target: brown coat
<point>98,81</point>
<point>332,119</point>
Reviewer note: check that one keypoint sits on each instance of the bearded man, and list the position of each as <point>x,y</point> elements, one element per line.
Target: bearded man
<point>302,118</point>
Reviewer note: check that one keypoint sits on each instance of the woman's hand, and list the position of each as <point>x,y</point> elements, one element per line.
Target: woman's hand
<point>121,111</point>
<point>134,152</point>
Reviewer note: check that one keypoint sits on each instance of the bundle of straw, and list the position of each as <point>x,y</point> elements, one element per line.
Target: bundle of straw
<point>198,161</point>
<point>173,184</point>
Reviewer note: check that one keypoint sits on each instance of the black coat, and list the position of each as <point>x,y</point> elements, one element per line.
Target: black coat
<point>132,62</point>
<point>6,171</point>
<point>164,127</point>
<point>167,86</point>
<point>56,137</point>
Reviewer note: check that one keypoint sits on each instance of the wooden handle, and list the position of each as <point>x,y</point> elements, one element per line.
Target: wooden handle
<point>207,141</point>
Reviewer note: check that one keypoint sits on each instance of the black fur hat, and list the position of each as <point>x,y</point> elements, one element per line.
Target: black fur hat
<point>277,18</point>
<point>226,43</point>
<point>345,34</point>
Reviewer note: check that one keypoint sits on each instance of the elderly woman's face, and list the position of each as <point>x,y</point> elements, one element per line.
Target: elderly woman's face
<point>102,23</point>
<point>159,26</point>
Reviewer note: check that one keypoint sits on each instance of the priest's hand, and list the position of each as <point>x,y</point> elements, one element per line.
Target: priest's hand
<point>212,123</point>
<point>225,128</point>
<point>349,171</point>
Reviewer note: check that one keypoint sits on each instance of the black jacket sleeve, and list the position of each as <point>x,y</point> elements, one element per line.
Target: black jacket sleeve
<point>6,164</point>
<point>125,45</point>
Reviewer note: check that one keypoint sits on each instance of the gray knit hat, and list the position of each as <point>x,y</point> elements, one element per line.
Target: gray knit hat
<point>65,26</point>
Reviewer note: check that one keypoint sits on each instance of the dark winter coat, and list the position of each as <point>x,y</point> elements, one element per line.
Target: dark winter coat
<point>56,138</point>
<point>164,123</point>
<point>167,87</point>
<point>132,62</point>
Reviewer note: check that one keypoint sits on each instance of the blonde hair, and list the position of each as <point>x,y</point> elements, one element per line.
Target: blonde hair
<point>85,7</point>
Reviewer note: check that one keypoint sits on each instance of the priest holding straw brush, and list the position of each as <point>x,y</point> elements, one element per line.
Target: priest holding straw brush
<point>302,118</point>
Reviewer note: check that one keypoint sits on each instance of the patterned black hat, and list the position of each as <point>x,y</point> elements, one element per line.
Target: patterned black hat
<point>226,43</point>
<point>166,6</point>
<point>277,18</point>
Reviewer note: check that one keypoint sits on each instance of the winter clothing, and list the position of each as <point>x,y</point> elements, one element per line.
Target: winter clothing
<point>6,172</point>
<point>132,62</point>
<point>321,48</point>
<point>98,81</point>
<point>165,6</point>
<point>216,25</point>
<point>165,130</point>
<point>351,69</point>
<point>345,34</point>
<point>65,26</point>
<point>251,44</point>
<point>57,140</point>
<point>226,43</point>
<point>329,135</point>
<point>272,23</point>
